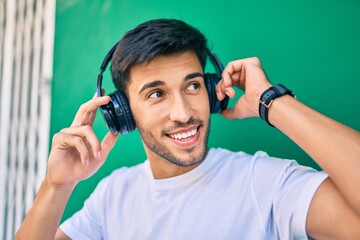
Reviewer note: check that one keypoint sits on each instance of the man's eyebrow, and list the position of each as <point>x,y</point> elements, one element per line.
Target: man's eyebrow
<point>153,84</point>
<point>157,83</point>
<point>194,75</point>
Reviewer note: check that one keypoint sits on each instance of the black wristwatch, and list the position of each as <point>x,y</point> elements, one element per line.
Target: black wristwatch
<point>267,98</point>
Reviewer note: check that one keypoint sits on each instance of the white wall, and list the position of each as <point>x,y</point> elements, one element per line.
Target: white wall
<point>26,62</point>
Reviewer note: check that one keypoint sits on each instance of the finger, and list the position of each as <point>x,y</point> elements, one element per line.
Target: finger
<point>238,65</point>
<point>231,68</point>
<point>221,90</point>
<point>93,104</point>
<point>230,92</point>
<point>88,133</point>
<point>86,112</point>
<point>219,94</point>
<point>240,110</point>
<point>108,143</point>
<point>65,141</point>
<point>102,92</point>
<point>237,70</point>
<point>234,113</point>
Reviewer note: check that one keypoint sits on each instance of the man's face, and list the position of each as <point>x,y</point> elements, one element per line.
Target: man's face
<point>170,104</point>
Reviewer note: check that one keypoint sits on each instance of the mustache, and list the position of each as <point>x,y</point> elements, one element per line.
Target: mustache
<point>178,125</point>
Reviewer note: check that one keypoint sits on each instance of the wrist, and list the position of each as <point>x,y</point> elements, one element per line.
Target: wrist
<point>42,220</point>
<point>268,97</point>
<point>57,187</point>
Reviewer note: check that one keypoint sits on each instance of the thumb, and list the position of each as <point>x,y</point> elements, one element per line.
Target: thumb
<point>108,143</point>
<point>239,111</point>
<point>229,113</point>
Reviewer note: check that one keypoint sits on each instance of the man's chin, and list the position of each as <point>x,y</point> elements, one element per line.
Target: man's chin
<point>186,163</point>
<point>187,159</point>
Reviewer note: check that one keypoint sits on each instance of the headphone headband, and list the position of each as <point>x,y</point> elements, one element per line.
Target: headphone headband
<point>219,67</point>
<point>103,66</point>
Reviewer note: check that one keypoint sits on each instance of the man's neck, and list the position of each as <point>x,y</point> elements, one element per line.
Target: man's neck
<point>162,168</point>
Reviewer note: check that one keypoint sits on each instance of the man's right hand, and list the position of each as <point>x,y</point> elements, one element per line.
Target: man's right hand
<point>76,152</point>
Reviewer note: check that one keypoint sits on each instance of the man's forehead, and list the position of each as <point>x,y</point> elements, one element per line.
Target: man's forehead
<point>164,67</point>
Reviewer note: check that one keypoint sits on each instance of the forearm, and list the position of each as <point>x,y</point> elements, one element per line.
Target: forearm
<point>335,147</point>
<point>43,219</point>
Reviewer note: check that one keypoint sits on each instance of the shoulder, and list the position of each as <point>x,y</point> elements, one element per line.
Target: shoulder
<point>243,167</point>
<point>259,160</point>
<point>259,167</point>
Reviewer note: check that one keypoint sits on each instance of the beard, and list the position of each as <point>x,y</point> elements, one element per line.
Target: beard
<point>192,157</point>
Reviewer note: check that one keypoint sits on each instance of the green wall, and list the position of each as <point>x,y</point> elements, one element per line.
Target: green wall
<point>313,47</point>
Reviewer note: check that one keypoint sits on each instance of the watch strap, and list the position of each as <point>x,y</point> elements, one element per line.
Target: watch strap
<point>267,98</point>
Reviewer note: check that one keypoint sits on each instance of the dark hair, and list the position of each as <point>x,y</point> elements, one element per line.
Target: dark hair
<point>161,37</point>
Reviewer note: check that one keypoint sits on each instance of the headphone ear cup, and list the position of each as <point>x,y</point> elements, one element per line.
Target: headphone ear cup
<point>108,113</point>
<point>210,89</point>
<point>125,119</point>
<point>215,105</point>
<point>117,114</point>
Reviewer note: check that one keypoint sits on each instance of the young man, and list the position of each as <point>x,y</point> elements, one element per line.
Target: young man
<point>185,190</point>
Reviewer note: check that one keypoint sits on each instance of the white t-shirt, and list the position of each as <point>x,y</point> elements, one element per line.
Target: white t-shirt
<point>228,196</point>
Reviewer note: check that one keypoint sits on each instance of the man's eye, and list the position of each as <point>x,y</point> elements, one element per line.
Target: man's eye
<point>193,86</point>
<point>155,94</point>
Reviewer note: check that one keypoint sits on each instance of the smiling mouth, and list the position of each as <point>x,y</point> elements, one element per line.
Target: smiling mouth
<point>185,135</point>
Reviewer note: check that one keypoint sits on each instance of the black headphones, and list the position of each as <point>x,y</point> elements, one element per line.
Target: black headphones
<point>117,112</point>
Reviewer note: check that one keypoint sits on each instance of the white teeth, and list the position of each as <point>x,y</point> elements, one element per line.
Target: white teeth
<point>179,136</point>
<point>191,133</point>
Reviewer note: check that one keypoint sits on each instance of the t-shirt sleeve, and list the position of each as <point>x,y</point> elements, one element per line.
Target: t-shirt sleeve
<point>289,189</point>
<point>86,223</point>
<point>293,197</point>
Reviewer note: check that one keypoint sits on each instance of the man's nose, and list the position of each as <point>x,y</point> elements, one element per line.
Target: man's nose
<point>180,110</point>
